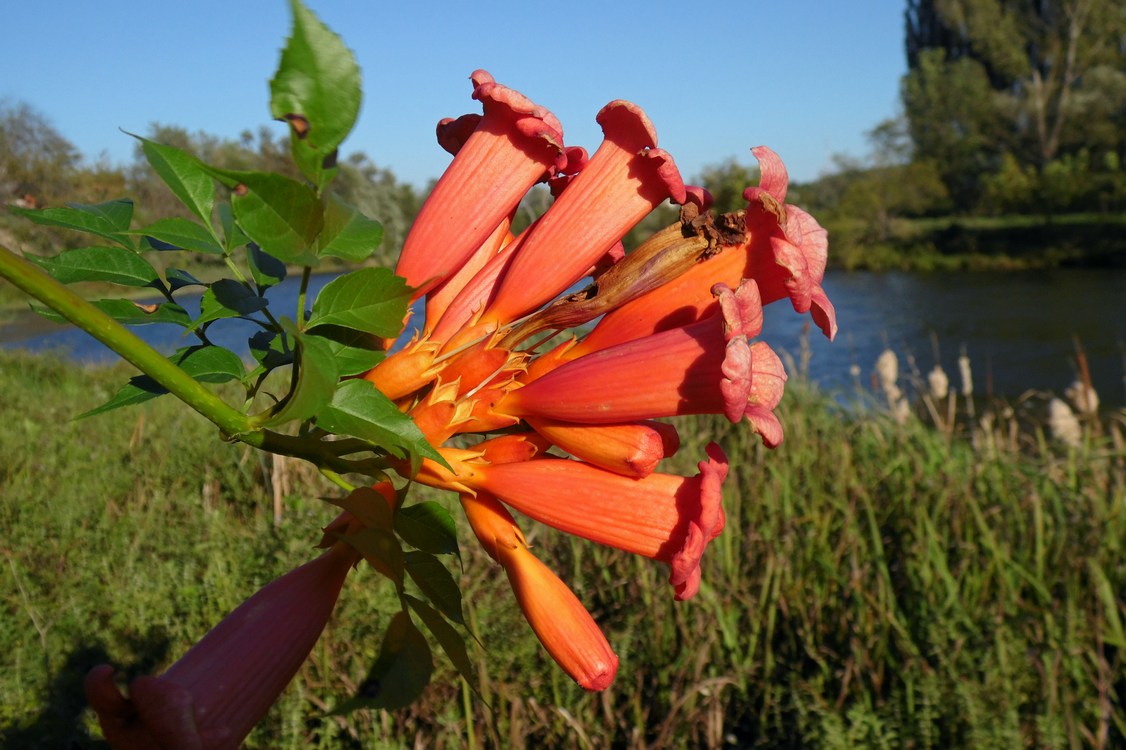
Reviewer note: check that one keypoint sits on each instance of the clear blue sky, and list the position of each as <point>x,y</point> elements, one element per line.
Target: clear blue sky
<point>806,78</point>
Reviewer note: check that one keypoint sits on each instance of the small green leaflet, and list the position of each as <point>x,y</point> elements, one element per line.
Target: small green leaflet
<point>347,233</point>
<point>316,89</point>
<point>359,410</point>
<point>316,381</point>
<point>184,175</point>
<point>115,265</point>
<point>133,313</point>
<point>432,579</point>
<point>281,215</point>
<point>227,298</point>
<point>368,506</point>
<point>207,364</point>
<point>179,278</point>
<point>109,220</point>
<point>182,234</point>
<point>448,637</point>
<point>373,300</point>
<point>427,526</point>
<point>264,268</point>
<point>382,550</point>
<point>356,352</point>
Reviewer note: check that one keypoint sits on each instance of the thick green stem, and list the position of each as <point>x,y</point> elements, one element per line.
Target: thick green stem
<point>33,281</point>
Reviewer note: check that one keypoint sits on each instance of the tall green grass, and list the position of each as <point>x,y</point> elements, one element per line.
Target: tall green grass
<point>878,585</point>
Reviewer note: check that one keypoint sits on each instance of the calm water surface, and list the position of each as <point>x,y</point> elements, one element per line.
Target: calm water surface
<point>1019,329</point>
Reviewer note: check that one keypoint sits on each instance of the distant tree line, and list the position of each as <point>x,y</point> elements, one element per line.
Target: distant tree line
<point>39,167</point>
<point>1019,105</point>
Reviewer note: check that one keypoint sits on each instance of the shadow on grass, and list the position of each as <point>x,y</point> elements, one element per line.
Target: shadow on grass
<point>61,723</point>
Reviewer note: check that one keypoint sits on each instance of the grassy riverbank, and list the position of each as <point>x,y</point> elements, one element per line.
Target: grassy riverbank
<point>878,585</point>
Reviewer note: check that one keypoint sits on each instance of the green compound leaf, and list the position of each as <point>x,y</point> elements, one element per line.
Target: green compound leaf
<point>184,175</point>
<point>359,410</point>
<point>347,233</point>
<point>432,579</point>
<point>109,220</point>
<point>114,265</point>
<point>182,235</point>
<point>373,300</point>
<point>317,91</point>
<point>400,673</point>
<point>282,216</point>
<point>316,380</point>
<point>207,364</point>
<point>133,313</point>
<point>428,526</point>
<point>448,636</point>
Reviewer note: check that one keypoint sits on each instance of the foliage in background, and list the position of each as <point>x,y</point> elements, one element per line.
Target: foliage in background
<point>884,585</point>
<point>1040,83</point>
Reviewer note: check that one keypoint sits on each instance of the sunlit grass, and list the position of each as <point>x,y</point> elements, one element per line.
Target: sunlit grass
<point>878,584</point>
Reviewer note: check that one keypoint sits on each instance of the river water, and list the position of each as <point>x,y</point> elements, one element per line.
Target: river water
<point>1019,328</point>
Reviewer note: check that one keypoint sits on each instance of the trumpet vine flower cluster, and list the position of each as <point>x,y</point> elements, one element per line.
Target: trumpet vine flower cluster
<point>566,425</point>
<point>539,400</point>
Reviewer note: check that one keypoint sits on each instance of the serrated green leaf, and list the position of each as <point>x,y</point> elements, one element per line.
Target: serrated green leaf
<point>109,220</point>
<point>355,351</point>
<point>207,364</point>
<point>316,380</point>
<point>447,636</point>
<point>265,269</point>
<point>183,234</point>
<point>401,672</point>
<point>115,265</point>
<point>428,526</point>
<point>316,89</point>
<point>281,215</point>
<point>227,298</point>
<point>432,578</point>
<point>373,300</point>
<point>347,233</point>
<point>359,410</point>
<point>184,175</point>
<point>133,313</point>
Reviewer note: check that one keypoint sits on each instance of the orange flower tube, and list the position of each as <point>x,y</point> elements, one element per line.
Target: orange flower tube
<point>626,178</point>
<point>560,621</point>
<point>663,516</point>
<point>516,144</point>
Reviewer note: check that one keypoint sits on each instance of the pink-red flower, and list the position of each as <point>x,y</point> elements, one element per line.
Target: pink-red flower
<point>515,144</point>
<point>214,695</point>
